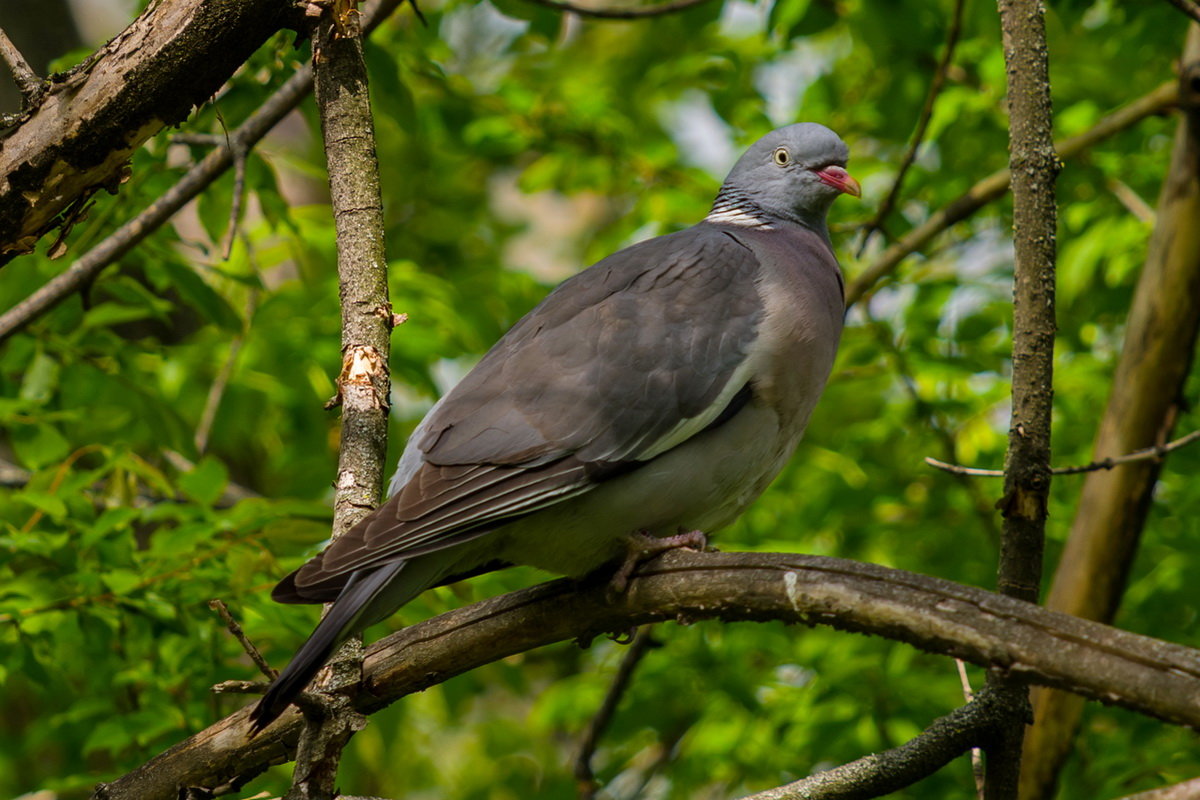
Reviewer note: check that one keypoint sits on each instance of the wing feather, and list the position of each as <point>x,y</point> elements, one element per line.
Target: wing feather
<point>619,364</point>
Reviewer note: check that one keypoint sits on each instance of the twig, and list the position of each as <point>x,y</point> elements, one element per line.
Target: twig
<point>213,401</point>
<point>613,12</point>
<point>976,752</point>
<point>219,606</point>
<point>910,155</point>
<point>28,84</point>
<point>1131,200</point>
<point>585,778</point>
<point>883,773</point>
<point>1146,453</point>
<point>995,185</point>
<point>240,154</point>
<point>1189,8</point>
<point>195,181</point>
<point>240,687</point>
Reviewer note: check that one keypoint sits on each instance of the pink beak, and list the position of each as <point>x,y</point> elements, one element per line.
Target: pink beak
<point>838,178</point>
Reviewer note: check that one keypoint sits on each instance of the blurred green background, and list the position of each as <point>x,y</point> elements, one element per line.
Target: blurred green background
<point>518,146</point>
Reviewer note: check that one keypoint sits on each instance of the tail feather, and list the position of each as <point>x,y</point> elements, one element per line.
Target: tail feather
<point>344,619</point>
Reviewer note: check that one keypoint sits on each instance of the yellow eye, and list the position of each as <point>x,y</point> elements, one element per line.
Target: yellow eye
<point>781,156</point>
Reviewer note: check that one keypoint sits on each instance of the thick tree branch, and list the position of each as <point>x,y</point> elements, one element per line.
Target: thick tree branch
<point>77,139</point>
<point>1025,641</point>
<point>195,181</point>
<point>618,12</point>
<point>995,185</point>
<point>1147,387</point>
<point>1034,167</point>
<point>1188,790</point>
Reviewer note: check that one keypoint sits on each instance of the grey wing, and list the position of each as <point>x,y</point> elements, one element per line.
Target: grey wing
<point>619,364</point>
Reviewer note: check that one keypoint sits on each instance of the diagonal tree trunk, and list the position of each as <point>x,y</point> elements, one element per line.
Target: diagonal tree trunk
<point>1159,341</point>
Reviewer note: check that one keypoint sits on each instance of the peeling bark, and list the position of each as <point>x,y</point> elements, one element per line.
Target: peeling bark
<point>89,122</point>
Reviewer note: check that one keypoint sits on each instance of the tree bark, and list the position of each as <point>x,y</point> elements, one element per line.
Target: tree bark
<point>348,132</point>
<point>1034,167</point>
<point>1024,641</point>
<point>78,139</point>
<point>1160,338</point>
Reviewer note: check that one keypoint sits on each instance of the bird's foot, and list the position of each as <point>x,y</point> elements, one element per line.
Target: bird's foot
<point>641,545</point>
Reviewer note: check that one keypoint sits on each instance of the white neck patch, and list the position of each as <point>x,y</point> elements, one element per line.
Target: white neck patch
<point>733,215</point>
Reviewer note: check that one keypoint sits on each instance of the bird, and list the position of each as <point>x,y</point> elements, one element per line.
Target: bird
<point>648,398</point>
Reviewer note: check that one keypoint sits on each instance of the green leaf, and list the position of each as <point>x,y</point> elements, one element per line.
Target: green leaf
<point>41,378</point>
<point>196,292</point>
<point>38,445</point>
<point>205,482</point>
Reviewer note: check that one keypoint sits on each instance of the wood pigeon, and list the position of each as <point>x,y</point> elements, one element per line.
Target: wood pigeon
<point>656,392</point>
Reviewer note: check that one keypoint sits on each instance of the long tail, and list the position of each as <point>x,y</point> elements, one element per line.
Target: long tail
<point>351,612</point>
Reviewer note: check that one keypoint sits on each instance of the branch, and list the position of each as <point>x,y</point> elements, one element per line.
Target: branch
<point>219,606</point>
<point>935,88</point>
<point>1188,790</point>
<point>614,12</point>
<point>195,181</point>
<point>1145,454</point>
<point>1034,166</point>
<point>1144,403</point>
<point>585,779</point>
<point>1152,677</point>
<point>28,84</point>
<point>1187,7</point>
<point>883,773</point>
<point>173,57</point>
<point>348,133</point>
<point>995,185</point>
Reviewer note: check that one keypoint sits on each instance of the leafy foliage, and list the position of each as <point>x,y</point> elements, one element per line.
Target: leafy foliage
<point>516,147</point>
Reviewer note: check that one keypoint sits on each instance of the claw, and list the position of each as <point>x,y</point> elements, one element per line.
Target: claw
<point>641,546</point>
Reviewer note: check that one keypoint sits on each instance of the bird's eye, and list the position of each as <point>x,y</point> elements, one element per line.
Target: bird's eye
<point>781,156</point>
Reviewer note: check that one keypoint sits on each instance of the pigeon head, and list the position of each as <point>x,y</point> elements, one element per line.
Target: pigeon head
<point>791,173</point>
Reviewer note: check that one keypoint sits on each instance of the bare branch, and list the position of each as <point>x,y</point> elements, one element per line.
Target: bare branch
<point>616,12</point>
<point>910,155</point>
<point>584,777</point>
<point>28,84</point>
<point>1131,200</point>
<point>218,605</point>
<point>995,185</point>
<point>976,752</point>
<point>195,181</point>
<point>1145,454</point>
<point>883,773</point>
<point>1152,677</point>
<point>1187,7</point>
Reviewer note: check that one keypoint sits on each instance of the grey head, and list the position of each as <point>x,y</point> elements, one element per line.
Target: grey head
<point>793,173</point>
